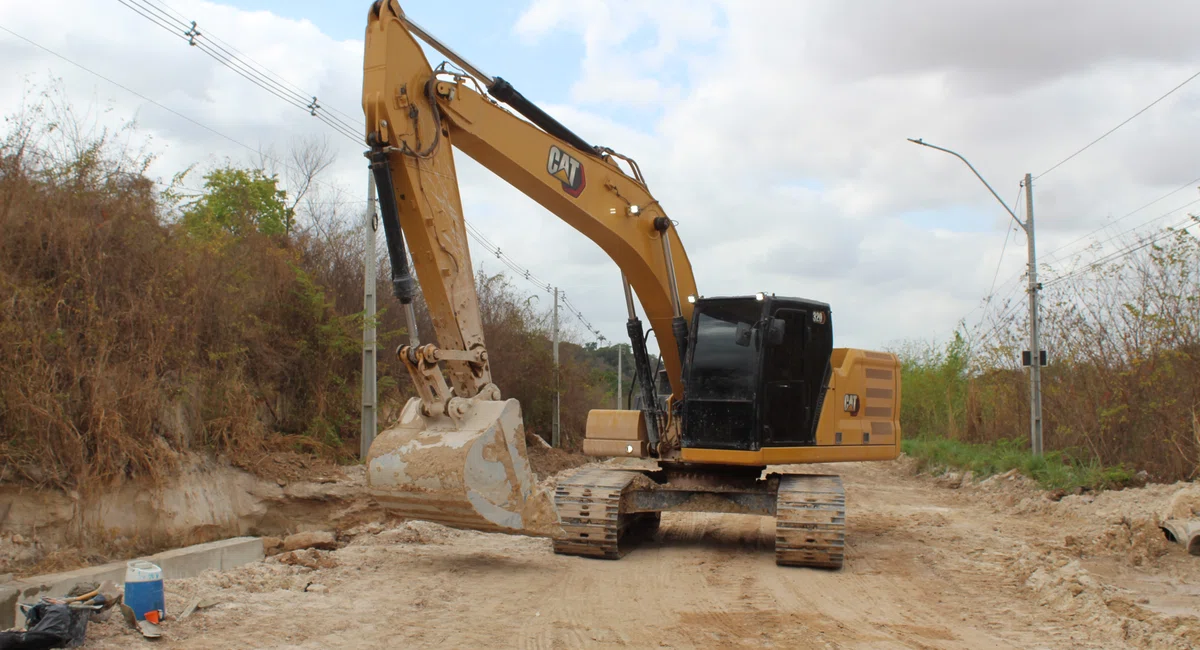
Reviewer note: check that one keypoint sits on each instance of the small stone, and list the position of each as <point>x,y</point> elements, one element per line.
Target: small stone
<point>317,539</point>
<point>17,538</point>
<point>316,588</point>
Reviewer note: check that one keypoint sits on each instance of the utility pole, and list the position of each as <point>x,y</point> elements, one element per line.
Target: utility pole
<point>1034,353</point>
<point>369,392</point>
<point>1035,349</point>
<point>619,393</point>
<point>555,436</point>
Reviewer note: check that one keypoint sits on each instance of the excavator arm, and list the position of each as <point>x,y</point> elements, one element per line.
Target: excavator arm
<point>414,116</point>
<point>458,454</point>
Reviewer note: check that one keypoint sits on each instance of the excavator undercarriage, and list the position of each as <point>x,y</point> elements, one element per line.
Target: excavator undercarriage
<point>602,510</point>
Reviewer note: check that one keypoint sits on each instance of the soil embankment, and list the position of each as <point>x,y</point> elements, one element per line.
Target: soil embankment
<point>50,530</point>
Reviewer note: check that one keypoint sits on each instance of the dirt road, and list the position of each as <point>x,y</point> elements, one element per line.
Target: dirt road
<point>993,565</point>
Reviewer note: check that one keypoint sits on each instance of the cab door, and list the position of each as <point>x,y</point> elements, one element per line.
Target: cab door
<point>788,394</point>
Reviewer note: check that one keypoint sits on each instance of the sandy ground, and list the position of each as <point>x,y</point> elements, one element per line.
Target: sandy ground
<point>929,565</point>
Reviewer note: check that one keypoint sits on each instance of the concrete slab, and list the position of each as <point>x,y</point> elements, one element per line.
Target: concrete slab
<point>184,562</point>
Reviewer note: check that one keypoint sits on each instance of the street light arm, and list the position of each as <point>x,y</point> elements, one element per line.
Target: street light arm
<point>977,175</point>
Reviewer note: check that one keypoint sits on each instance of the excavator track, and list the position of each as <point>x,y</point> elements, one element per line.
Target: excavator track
<point>810,521</point>
<point>589,509</point>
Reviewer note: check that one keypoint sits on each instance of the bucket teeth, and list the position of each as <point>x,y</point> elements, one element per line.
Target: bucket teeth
<point>810,521</point>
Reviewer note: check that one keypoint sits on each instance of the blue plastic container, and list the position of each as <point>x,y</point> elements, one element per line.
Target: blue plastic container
<point>144,588</point>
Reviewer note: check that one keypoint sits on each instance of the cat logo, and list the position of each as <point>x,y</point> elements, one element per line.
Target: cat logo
<point>566,169</point>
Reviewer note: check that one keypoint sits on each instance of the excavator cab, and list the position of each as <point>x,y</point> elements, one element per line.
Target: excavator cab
<point>756,370</point>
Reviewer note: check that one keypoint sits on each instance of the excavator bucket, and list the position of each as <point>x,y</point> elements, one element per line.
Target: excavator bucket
<point>470,473</point>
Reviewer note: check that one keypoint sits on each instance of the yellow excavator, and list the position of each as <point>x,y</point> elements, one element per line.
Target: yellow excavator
<point>754,380</point>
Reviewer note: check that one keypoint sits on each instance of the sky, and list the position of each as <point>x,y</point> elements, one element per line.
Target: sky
<point>773,132</point>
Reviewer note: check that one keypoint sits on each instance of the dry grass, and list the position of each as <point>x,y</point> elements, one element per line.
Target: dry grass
<point>1123,384</point>
<point>127,341</point>
<point>124,341</point>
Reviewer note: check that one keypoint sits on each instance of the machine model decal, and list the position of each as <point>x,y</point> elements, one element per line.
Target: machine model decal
<point>566,169</point>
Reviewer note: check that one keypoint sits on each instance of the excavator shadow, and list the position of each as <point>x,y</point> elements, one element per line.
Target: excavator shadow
<point>719,532</point>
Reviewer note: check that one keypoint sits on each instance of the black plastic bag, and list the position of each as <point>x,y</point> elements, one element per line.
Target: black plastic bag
<point>49,626</point>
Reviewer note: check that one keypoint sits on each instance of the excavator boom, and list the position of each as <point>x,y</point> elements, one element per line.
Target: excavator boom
<point>462,427</point>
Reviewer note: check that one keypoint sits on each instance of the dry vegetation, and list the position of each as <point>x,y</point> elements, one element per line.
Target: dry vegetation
<point>138,323</point>
<point>1123,385</point>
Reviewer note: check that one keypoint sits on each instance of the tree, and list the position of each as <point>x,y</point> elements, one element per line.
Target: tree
<point>238,201</point>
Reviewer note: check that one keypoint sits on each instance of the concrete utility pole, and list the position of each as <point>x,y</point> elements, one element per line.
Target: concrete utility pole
<point>1034,353</point>
<point>369,393</point>
<point>555,435</point>
<point>1035,349</point>
<point>619,393</point>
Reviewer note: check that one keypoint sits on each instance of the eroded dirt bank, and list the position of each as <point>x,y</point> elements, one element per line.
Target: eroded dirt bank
<point>929,566</point>
<point>46,530</point>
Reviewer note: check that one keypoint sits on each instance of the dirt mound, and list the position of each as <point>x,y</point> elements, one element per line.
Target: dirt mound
<point>1184,504</point>
<point>409,532</point>
<point>1072,590</point>
<point>548,461</point>
<point>1137,541</point>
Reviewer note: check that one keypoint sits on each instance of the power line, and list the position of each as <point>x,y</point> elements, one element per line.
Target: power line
<point>1008,234</point>
<point>208,43</point>
<point>533,279</point>
<point>1146,223</point>
<point>1191,183</point>
<point>1124,252</point>
<point>259,78</point>
<point>267,80</point>
<point>1001,319</point>
<point>140,95</point>
<point>986,302</point>
<point>1127,121</point>
<point>181,19</point>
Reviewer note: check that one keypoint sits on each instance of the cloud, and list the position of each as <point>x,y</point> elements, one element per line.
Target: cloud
<point>822,95</point>
<point>773,132</point>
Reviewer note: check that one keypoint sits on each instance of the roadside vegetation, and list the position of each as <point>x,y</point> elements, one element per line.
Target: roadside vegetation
<point>219,314</point>
<point>1121,393</point>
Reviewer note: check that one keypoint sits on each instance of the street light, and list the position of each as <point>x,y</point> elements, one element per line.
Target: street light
<point>1035,357</point>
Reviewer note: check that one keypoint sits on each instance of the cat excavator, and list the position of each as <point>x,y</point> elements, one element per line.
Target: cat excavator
<point>752,382</point>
